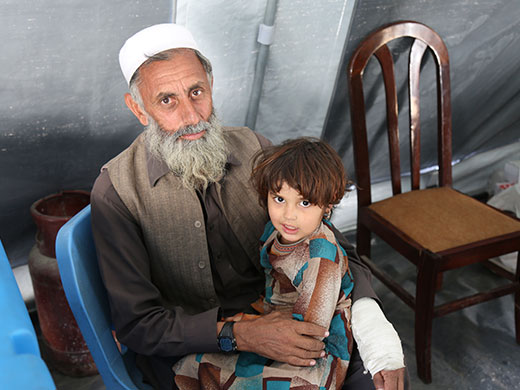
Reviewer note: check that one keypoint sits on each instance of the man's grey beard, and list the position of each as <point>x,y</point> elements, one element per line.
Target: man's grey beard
<point>199,162</point>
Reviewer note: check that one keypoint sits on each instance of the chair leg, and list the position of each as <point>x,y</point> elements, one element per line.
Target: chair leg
<point>424,301</point>
<point>438,285</point>
<point>363,240</point>
<point>517,300</point>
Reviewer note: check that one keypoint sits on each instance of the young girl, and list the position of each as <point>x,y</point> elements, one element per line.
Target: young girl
<point>306,272</point>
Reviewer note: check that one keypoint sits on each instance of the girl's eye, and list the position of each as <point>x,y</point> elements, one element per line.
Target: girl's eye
<point>278,199</point>
<point>305,203</point>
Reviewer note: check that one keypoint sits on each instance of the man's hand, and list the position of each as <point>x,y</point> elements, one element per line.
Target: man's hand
<point>279,337</point>
<point>389,380</point>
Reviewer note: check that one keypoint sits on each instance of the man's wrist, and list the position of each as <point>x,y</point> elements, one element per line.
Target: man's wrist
<point>226,338</point>
<point>220,324</point>
<point>240,330</point>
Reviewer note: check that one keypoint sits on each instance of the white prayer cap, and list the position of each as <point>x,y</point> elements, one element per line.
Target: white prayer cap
<point>150,41</point>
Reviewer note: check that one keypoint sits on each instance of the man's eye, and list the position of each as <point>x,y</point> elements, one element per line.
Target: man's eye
<point>197,92</point>
<point>166,100</point>
<point>305,203</point>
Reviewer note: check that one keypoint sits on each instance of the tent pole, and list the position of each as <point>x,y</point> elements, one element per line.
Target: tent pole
<point>265,38</point>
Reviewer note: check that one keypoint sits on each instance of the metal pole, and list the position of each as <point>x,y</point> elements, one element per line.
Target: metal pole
<point>265,39</point>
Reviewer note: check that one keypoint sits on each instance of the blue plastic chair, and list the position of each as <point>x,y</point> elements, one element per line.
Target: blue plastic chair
<point>88,301</point>
<point>21,365</point>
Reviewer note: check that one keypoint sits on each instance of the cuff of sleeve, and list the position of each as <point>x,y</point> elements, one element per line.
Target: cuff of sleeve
<point>362,283</point>
<point>201,331</point>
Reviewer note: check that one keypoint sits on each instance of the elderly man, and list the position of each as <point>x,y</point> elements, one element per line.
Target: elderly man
<point>176,226</point>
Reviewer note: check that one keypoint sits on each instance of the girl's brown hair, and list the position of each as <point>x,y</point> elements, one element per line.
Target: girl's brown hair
<point>306,164</point>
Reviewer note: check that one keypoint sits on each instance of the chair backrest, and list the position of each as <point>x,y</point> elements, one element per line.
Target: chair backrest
<point>87,297</point>
<point>377,44</point>
<point>21,366</point>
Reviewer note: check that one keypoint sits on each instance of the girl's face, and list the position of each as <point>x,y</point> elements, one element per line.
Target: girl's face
<point>293,216</point>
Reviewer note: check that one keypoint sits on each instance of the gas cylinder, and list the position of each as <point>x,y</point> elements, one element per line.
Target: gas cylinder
<point>63,346</point>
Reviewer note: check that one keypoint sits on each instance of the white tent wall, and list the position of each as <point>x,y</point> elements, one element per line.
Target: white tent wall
<point>226,32</point>
<point>61,104</point>
<point>301,66</point>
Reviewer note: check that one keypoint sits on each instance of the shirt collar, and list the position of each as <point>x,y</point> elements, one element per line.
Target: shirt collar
<point>157,168</point>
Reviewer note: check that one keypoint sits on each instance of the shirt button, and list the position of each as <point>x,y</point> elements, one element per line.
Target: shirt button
<point>202,265</point>
<point>198,224</point>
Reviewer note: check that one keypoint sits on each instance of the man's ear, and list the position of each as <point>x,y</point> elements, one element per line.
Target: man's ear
<point>136,109</point>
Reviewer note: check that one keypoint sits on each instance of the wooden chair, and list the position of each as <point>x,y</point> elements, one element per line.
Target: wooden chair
<point>437,229</point>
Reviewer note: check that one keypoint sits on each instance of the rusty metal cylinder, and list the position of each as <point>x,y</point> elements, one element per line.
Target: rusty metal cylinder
<point>63,345</point>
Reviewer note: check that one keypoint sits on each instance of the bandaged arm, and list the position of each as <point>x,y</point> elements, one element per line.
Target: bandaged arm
<point>378,343</point>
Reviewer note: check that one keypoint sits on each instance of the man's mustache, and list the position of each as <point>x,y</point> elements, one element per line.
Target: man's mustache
<point>190,129</point>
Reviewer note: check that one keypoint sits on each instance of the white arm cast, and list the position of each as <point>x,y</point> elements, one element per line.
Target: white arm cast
<point>378,342</point>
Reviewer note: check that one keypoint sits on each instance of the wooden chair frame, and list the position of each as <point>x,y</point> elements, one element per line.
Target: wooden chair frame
<point>430,265</point>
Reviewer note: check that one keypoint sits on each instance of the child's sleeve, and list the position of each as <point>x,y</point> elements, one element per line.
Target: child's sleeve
<point>319,283</point>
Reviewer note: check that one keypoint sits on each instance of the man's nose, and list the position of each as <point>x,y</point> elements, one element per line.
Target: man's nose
<point>189,114</point>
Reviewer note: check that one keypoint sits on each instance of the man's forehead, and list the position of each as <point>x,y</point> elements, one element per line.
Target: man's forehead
<point>166,55</point>
<point>182,68</point>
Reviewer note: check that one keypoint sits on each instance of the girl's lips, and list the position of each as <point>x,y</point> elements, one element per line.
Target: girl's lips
<point>193,137</point>
<point>289,229</point>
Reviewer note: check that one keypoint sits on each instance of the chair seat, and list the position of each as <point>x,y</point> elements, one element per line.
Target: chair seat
<point>439,219</point>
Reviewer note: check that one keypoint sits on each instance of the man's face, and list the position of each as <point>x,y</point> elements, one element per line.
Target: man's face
<point>176,93</point>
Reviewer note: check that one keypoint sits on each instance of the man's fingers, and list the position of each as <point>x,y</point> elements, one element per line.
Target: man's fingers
<point>379,382</point>
<point>302,357</point>
<point>310,329</point>
<point>296,361</point>
<point>307,336</point>
<point>307,354</point>
<point>277,336</point>
<point>389,379</point>
<point>308,343</point>
<point>303,348</point>
<point>394,379</point>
